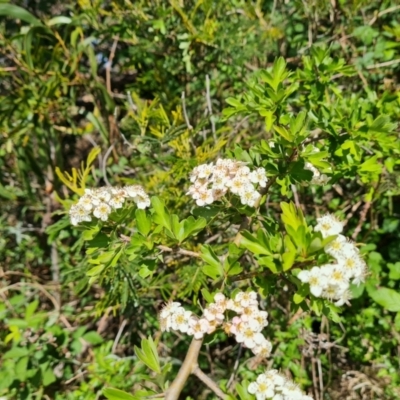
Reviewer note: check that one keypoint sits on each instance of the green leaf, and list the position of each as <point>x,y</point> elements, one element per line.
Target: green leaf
<point>192,226</point>
<point>254,245</point>
<point>283,132</point>
<point>148,354</point>
<point>93,337</point>
<point>214,269</point>
<point>116,394</point>
<point>99,125</point>
<point>290,254</point>
<point>12,11</point>
<point>242,391</point>
<point>60,20</point>
<point>48,377</point>
<point>389,299</point>
<point>161,216</point>
<point>143,222</point>
<point>394,271</point>
<point>31,308</point>
<point>15,352</point>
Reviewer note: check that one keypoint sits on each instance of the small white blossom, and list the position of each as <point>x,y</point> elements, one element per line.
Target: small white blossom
<point>328,225</point>
<point>102,201</point>
<point>78,214</point>
<point>102,211</point>
<point>198,327</point>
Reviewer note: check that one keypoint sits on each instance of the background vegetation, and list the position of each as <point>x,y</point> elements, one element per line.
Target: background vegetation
<point>111,74</point>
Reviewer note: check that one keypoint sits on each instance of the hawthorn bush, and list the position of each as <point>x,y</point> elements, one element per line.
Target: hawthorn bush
<point>200,200</point>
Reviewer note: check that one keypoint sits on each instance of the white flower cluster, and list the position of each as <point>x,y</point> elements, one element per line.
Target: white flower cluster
<point>318,178</point>
<point>210,182</point>
<point>272,385</point>
<point>332,281</point>
<point>246,327</point>
<point>102,201</point>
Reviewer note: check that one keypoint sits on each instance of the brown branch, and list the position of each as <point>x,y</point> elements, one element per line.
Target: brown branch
<point>179,251</point>
<point>209,382</point>
<point>363,217</point>
<point>187,368</point>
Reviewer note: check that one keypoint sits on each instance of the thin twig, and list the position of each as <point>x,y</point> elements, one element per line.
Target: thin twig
<point>190,127</point>
<point>120,330</point>
<point>383,12</point>
<point>179,251</point>
<point>363,217</point>
<point>384,64</point>
<point>235,367</point>
<point>109,64</point>
<point>104,164</point>
<point>131,103</point>
<point>209,382</point>
<point>209,106</point>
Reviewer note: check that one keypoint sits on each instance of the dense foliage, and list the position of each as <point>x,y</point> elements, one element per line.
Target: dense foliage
<point>126,93</point>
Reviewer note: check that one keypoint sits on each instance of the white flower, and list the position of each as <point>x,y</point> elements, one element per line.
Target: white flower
<point>78,213</point>
<point>245,334</point>
<point>259,319</point>
<point>117,201</point>
<point>343,299</point>
<point>352,264</point>
<point>250,197</point>
<point>263,349</point>
<point>338,277</point>
<point>292,391</point>
<point>262,390</point>
<point>239,185</point>
<point>337,246</point>
<point>205,170</point>
<point>275,377</point>
<point>328,225</point>
<point>317,281</point>
<point>246,299</point>
<point>169,309</point>
<point>86,201</point>
<point>214,313</point>
<point>180,320</point>
<point>205,197</point>
<point>259,176</point>
<point>198,327</point>
<point>102,211</point>
<point>142,200</point>
<point>318,178</point>
<point>133,190</point>
<point>102,195</point>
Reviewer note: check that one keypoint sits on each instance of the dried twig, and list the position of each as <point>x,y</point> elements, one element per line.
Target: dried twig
<point>209,106</point>
<point>109,64</point>
<point>190,127</point>
<point>104,164</point>
<point>363,217</point>
<point>120,330</point>
<point>179,251</point>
